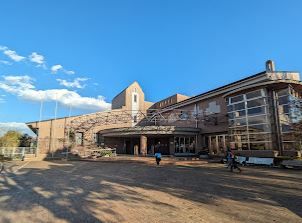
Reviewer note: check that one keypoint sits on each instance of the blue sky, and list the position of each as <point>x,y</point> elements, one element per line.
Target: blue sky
<point>83,53</point>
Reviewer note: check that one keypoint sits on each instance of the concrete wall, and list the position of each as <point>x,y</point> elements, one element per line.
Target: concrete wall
<point>52,134</point>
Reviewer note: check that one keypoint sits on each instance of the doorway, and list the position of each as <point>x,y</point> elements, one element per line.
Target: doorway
<point>131,144</point>
<point>158,144</point>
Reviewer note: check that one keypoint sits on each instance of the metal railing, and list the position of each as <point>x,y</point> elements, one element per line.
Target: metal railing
<point>17,152</point>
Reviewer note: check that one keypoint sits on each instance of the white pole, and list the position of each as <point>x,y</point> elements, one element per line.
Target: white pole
<point>69,111</point>
<point>56,107</point>
<point>39,126</point>
<point>56,111</point>
<point>68,136</point>
<point>41,108</point>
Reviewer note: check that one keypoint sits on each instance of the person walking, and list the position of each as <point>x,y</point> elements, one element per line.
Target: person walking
<point>234,164</point>
<point>228,157</point>
<point>157,157</point>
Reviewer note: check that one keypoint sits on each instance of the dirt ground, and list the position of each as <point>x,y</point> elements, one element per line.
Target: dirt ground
<point>128,189</point>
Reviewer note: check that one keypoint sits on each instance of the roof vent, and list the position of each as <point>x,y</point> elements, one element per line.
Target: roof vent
<point>270,66</point>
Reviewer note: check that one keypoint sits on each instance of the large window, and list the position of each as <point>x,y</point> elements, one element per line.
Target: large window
<point>256,111</point>
<point>249,125</point>
<point>256,103</point>
<point>259,119</point>
<point>237,99</point>
<point>290,112</point>
<point>254,94</point>
<point>237,114</point>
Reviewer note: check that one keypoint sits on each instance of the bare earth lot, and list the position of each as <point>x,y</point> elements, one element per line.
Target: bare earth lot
<point>135,190</point>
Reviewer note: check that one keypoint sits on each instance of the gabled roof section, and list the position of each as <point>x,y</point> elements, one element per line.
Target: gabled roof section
<point>134,82</point>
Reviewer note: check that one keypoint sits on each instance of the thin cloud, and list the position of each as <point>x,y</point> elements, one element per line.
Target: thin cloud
<point>37,58</point>
<point>34,57</point>
<point>55,68</point>
<point>13,55</point>
<point>2,100</point>
<point>2,96</point>
<point>2,48</point>
<point>5,62</point>
<point>23,87</point>
<point>68,71</point>
<point>58,67</point>
<point>76,83</point>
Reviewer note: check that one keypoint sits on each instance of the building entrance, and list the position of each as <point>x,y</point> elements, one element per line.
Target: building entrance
<point>132,146</point>
<point>158,144</point>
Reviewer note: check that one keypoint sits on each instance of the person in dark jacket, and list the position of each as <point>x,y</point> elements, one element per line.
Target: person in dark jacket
<point>234,164</point>
<point>228,157</point>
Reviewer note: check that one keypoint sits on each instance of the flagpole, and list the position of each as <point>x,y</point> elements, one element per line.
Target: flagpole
<point>69,111</point>
<point>68,135</point>
<point>56,107</point>
<point>39,124</point>
<point>56,111</point>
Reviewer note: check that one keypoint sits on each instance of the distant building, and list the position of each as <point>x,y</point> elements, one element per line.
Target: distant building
<point>253,116</point>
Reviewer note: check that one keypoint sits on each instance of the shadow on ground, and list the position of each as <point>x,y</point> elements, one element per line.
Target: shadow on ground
<point>135,191</point>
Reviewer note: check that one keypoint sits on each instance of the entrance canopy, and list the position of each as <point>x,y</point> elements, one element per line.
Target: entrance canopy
<point>149,130</point>
<point>149,139</point>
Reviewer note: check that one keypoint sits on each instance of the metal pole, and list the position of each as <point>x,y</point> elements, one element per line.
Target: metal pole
<point>56,107</point>
<point>53,135</point>
<point>69,111</point>
<point>39,125</point>
<point>68,135</point>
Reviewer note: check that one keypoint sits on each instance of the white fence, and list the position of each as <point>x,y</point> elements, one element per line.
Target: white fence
<point>17,152</point>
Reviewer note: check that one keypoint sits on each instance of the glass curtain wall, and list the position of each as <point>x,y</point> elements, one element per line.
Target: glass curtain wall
<point>290,112</point>
<point>249,124</point>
